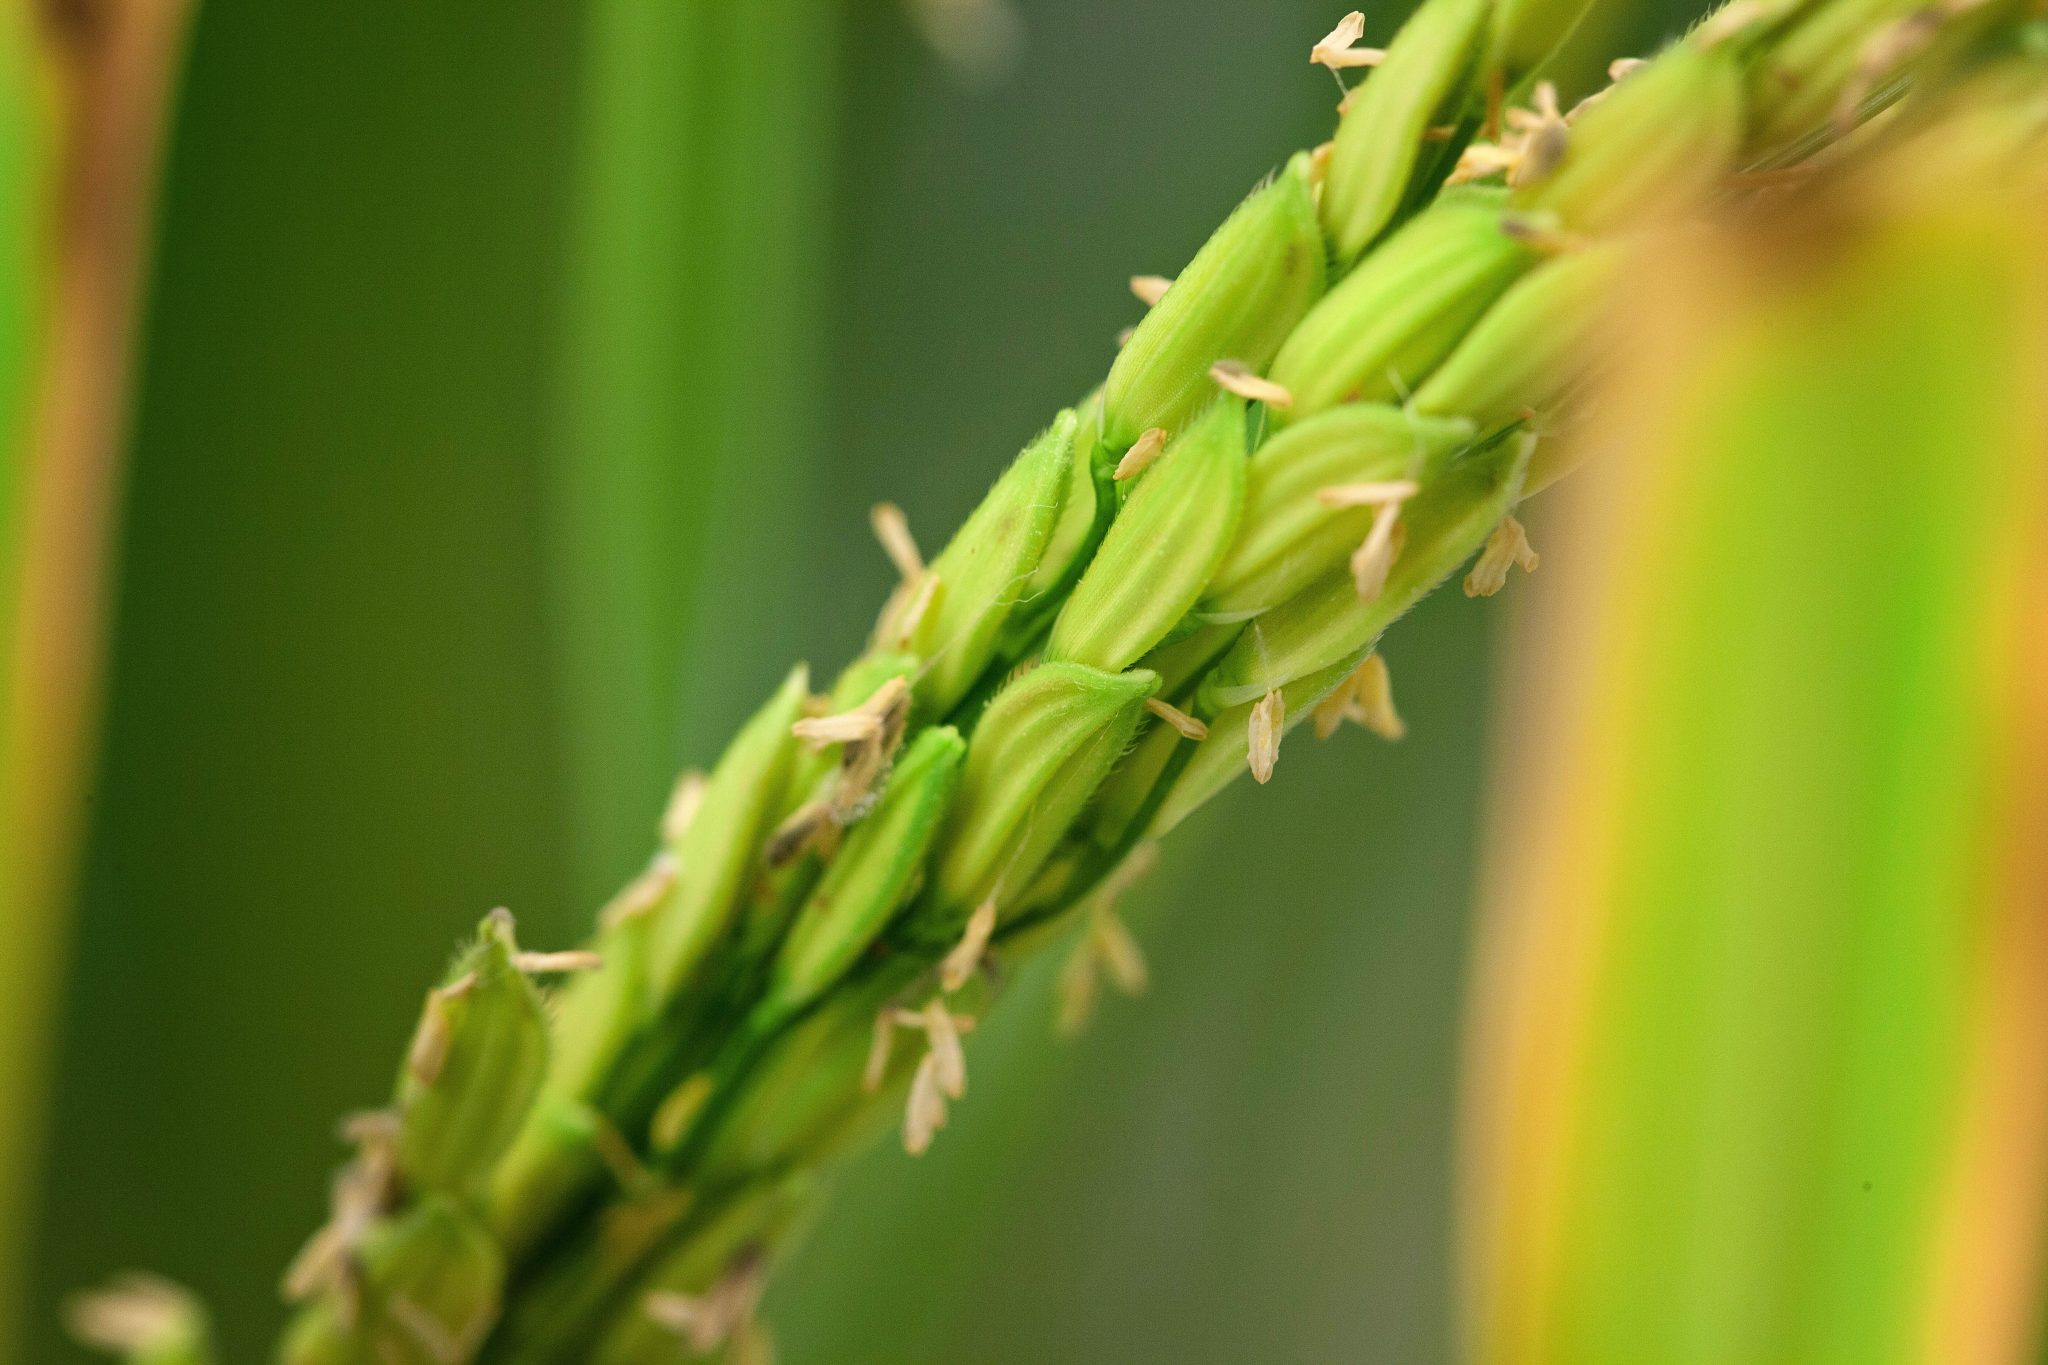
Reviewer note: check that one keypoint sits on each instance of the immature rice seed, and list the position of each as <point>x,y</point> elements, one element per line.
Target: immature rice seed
<point>1366,698</point>
<point>925,1111</point>
<point>879,1047</point>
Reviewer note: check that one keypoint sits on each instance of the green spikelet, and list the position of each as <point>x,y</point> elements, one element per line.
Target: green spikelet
<point>1024,740</point>
<point>985,569</point>
<point>1237,300</point>
<point>1289,536</point>
<point>1328,623</point>
<point>724,840</point>
<point>1535,341</point>
<point>1428,76</point>
<point>1162,548</point>
<point>1655,145</point>
<point>474,1067</point>
<point>1380,332</point>
<point>870,877</point>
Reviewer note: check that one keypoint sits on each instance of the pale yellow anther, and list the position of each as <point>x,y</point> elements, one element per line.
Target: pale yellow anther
<point>1136,865</point>
<point>1105,948</point>
<point>1187,725</point>
<point>369,1127</point>
<point>1375,699</point>
<point>429,1050</point>
<point>568,960</point>
<point>1374,559</point>
<point>1366,698</point>
<point>1378,494</point>
<point>1263,732</point>
<point>923,593</point>
<point>941,1073</point>
<point>1238,378</point>
<point>892,528</point>
<point>1142,453</point>
<point>959,965</point>
<point>925,1112</point>
<point>1545,136</point>
<point>1319,157</point>
<point>317,1266</point>
<point>1507,547</point>
<point>1480,160</point>
<point>1120,954</point>
<point>134,1315</point>
<point>1618,70</point>
<point>949,1059</point>
<point>879,1047</point>
<point>1080,984</point>
<point>1543,109</point>
<point>1332,711</point>
<point>641,895</point>
<point>721,1314</point>
<point>848,727</point>
<point>1339,48</point>
<point>1150,288</point>
<point>684,801</point>
<point>864,722</point>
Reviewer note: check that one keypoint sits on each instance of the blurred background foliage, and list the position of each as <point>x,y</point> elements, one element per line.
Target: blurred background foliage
<point>513,383</point>
<point>1762,1071</point>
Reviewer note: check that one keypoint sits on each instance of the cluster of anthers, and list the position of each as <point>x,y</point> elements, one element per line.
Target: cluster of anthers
<point>1524,145</point>
<point>871,733</point>
<point>941,1074</point>
<point>868,737</point>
